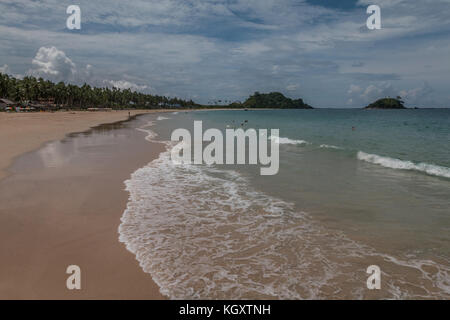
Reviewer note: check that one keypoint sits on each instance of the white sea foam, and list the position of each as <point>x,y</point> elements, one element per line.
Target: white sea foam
<point>283,140</point>
<point>203,232</point>
<point>212,236</point>
<point>162,118</point>
<point>327,146</point>
<point>150,133</point>
<point>393,163</point>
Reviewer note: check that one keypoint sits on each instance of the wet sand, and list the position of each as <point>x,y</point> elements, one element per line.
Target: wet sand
<point>24,132</point>
<point>61,205</point>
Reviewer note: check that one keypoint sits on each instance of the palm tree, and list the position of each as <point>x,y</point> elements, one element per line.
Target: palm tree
<point>72,96</point>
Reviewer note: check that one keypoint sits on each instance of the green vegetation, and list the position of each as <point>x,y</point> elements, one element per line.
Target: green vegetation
<point>70,96</point>
<point>387,103</point>
<point>30,90</point>
<point>274,100</point>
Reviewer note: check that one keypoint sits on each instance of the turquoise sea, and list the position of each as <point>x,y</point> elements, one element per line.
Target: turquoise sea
<point>355,188</point>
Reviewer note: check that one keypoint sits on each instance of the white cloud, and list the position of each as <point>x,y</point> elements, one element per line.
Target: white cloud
<point>381,3</point>
<point>5,69</point>
<point>252,49</point>
<point>231,48</point>
<point>420,95</point>
<point>292,87</point>
<point>124,84</point>
<point>53,64</point>
<point>360,96</point>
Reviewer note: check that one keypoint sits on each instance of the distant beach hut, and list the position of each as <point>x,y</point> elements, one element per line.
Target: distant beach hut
<point>6,104</point>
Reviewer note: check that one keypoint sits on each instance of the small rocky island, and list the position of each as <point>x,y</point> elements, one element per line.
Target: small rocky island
<point>387,103</point>
<point>274,100</point>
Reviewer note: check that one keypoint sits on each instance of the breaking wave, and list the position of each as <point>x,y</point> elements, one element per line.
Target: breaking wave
<point>327,146</point>
<point>393,163</point>
<point>159,118</point>
<point>206,233</point>
<point>282,140</point>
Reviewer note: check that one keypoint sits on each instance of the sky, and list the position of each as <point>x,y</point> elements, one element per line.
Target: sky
<point>206,50</point>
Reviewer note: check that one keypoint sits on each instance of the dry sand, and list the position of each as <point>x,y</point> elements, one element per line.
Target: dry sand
<point>54,217</point>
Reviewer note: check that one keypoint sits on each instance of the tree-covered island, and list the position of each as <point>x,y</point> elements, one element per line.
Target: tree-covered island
<point>387,103</point>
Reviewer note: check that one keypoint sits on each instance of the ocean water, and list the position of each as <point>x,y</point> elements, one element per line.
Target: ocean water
<point>355,188</point>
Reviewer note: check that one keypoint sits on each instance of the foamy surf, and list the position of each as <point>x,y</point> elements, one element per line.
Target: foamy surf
<point>393,163</point>
<point>150,133</point>
<point>205,233</point>
<point>283,140</point>
<point>160,118</point>
<point>328,146</point>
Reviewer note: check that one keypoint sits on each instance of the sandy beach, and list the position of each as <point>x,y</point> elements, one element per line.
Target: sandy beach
<point>53,216</point>
<point>63,197</point>
<point>24,132</point>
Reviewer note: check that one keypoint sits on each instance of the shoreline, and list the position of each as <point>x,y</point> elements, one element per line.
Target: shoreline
<point>39,226</point>
<point>62,204</point>
<point>21,133</point>
<point>26,134</point>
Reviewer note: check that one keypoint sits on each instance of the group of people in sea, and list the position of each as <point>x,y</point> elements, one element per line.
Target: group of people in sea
<point>243,124</point>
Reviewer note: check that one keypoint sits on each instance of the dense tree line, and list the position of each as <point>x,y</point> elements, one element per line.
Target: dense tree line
<point>72,96</point>
<point>69,96</point>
